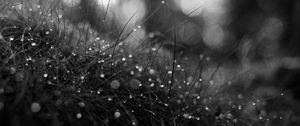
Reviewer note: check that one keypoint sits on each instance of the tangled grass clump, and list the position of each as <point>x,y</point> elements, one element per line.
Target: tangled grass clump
<point>53,73</point>
<point>69,88</point>
<point>57,72</point>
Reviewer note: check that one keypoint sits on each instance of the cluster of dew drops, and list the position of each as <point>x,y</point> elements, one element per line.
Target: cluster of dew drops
<point>51,78</point>
<point>115,84</point>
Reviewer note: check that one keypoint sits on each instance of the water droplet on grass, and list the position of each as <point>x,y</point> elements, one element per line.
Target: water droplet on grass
<point>78,115</point>
<point>45,75</point>
<point>81,104</point>
<point>35,107</point>
<point>13,70</point>
<point>33,44</point>
<point>60,16</point>
<point>131,72</point>
<point>117,114</point>
<point>211,82</point>
<point>102,75</point>
<point>152,85</point>
<point>115,84</point>
<point>133,123</point>
<point>152,71</point>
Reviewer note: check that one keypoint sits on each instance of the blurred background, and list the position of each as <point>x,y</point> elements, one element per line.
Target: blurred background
<point>253,43</point>
<point>216,23</point>
<point>246,41</point>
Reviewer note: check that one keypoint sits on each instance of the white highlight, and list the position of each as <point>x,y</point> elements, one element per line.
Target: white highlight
<point>198,6</point>
<point>104,3</point>
<point>71,3</point>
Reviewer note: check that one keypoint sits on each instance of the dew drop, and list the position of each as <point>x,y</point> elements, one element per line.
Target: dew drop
<point>152,71</point>
<point>152,85</point>
<point>211,82</point>
<point>186,115</point>
<point>240,96</point>
<point>11,38</point>
<point>131,72</point>
<point>45,75</point>
<point>81,104</point>
<point>33,44</point>
<point>60,16</point>
<point>78,115</point>
<point>234,120</point>
<point>133,123</point>
<point>117,114</point>
<point>13,70</point>
<point>35,107</point>
<point>115,84</point>
<point>102,75</point>
<point>240,107</point>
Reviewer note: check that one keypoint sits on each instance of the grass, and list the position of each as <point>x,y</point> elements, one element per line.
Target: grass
<point>53,72</point>
<point>65,84</point>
